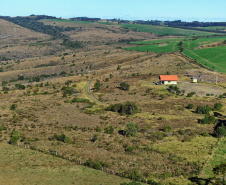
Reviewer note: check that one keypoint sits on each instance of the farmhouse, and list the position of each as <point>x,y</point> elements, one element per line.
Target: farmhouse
<point>168,79</point>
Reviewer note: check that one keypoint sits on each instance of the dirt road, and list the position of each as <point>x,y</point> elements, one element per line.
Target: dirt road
<point>90,94</point>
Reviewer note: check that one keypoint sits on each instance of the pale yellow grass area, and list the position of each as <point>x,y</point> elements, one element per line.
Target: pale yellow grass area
<point>19,166</point>
<point>197,150</point>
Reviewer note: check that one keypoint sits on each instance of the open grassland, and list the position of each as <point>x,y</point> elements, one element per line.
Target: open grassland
<point>211,57</point>
<point>25,166</point>
<point>163,30</point>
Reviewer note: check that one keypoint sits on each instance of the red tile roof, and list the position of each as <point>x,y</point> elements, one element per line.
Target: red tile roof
<point>168,77</point>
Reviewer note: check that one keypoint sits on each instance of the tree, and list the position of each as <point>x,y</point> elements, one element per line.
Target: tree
<point>124,86</point>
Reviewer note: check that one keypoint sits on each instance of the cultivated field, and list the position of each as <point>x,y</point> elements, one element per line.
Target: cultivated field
<point>164,30</point>
<point>211,57</point>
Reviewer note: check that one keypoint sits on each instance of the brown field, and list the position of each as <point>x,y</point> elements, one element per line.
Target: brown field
<point>42,110</point>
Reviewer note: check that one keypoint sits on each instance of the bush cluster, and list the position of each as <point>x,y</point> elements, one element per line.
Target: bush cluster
<point>203,109</point>
<point>67,91</point>
<point>128,108</point>
<point>62,138</point>
<point>174,89</point>
<point>220,130</point>
<point>208,119</point>
<point>96,164</point>
<point>109,130</point>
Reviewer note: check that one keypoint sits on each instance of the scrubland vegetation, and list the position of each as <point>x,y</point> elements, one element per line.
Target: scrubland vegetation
<point>94,104</point>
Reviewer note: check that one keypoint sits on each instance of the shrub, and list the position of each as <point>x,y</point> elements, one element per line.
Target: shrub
<point>97,85</point>
<point>128,108</point>
<point>220,131</point>
<point>209,119</point>
<point>62,138</point>
<point>20,77</point>
<point>129,149</point>
<point>167,128</point>
<point>131,129</point>
<point>203,109</point>
<point>98,129</point>
<point>20,86</point>
<point>157,136</point>
<point>205,134</point>
<point>13,140</point>
<point>92,164</point>
<point>2,128</point>
<point>63,73</point>
<point>109,130</point>
<point>13,107</point>
<point>68,91</point>
<point>94,139</point>
<point>218,106</point>
<point>23,139</point>
<point>124,86</point>
<point>174,89</point>
<point>80,100</point>
<point>190,106</point>
<point>191,94</point>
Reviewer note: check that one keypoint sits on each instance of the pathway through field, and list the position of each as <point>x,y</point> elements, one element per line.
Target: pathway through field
<point>90,94</point>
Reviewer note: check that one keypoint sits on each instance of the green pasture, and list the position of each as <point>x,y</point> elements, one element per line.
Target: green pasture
<point>164,30</point>
<point>214,58</point>
<point>165,47</point>
<point>158,41</point>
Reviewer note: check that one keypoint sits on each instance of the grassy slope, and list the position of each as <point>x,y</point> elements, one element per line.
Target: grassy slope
<point>163,30</point>
<point>217,158</point>
<point>24,166</point>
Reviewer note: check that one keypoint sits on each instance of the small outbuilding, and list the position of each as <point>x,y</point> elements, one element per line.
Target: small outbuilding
<point>194,80</point>
<point>168,79</point>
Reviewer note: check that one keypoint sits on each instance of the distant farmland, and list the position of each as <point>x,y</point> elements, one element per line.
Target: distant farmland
<point>164,30</point>
<point>210,51</point>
